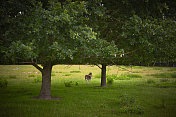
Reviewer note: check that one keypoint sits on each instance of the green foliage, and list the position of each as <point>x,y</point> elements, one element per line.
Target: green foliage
<point>57,34</point>
<point>110,81</point>
<point>71,83</point>
<point>112,76</point>
<point>68,83</point>
<point>150,81</point>
<point>3,83</point>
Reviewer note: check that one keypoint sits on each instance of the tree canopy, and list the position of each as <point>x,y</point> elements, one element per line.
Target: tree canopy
<point>58,33</point>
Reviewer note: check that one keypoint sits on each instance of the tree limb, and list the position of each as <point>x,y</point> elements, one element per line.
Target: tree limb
<point>36,66</point>
<point>99,66</point>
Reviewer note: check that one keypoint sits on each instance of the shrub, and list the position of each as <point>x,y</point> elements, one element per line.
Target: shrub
<point>76,83</point>
<point>3,83</point>
<point>150,81</point>
<point>110,81</point>
<point>68,83</point>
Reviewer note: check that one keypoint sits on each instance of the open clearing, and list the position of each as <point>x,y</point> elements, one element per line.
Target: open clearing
<point>136,92</point>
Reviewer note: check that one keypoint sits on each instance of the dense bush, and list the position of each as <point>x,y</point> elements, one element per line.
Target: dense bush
<point>70,83</point>
<point>110,81</point>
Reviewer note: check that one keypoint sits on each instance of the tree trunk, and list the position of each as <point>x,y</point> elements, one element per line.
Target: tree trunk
<point>45,92</point>
<point>103,75</point>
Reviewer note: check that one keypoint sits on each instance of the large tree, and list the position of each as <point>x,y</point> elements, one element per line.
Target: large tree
<point>144,29</point>
<point>56,33</point>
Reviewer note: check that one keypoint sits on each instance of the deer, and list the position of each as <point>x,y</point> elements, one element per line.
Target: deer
<point>88,77</point>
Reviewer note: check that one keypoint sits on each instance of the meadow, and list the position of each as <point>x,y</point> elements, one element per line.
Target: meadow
<point>132,91</point>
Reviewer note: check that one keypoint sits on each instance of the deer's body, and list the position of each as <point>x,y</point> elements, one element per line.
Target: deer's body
<point>88,77</point>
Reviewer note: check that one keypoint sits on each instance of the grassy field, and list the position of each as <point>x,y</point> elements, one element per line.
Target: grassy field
<point>135,92</point>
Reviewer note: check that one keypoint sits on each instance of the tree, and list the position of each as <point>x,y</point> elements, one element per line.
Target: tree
<point>55,34</point>
<point>143,29</point>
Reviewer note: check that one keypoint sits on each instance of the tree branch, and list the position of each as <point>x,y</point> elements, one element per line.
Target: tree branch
<point>36,66</point>
<point>99,66</point>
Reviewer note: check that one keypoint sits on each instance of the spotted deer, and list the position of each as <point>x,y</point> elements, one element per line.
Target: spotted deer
<point>88,77</point>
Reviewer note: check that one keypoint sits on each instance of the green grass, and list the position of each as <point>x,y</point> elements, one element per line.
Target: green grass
<point>75,71</point>
<point>12,77</point>
<point>164,75</point>
<point>136,97</point>
<point>31,75</point>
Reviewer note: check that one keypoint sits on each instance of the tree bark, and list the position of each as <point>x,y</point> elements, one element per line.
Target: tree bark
<point>45,92</point>
<point>103,75</point>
